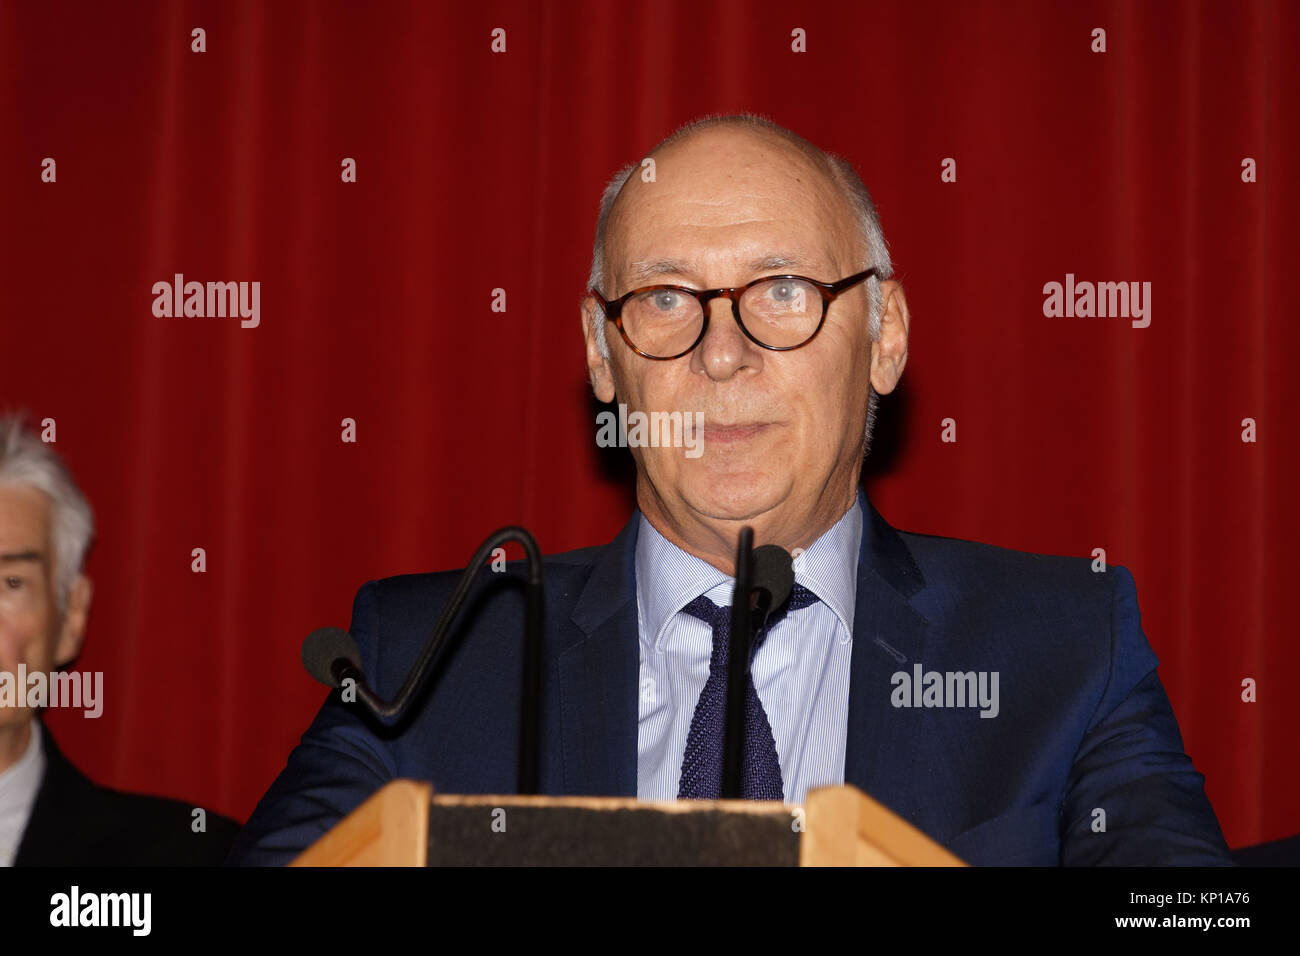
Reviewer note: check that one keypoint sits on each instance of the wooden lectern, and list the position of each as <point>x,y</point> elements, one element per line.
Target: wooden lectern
<point>406,824</point>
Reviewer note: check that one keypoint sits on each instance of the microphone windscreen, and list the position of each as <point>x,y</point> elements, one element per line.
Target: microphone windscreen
<point>323,647</point>
<point>774,571</point>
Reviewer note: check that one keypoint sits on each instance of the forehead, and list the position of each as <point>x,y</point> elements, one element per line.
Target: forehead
<point>24,519</point>
<point>723,200</point>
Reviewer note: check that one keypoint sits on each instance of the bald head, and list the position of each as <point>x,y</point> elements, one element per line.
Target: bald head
<point>722,204</point>
<point>730,189</point>
<point>748,142</point>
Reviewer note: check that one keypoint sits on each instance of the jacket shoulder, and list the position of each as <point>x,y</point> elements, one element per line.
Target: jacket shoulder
<point>77,822</point>
<point>946,559</point>
<point>1015,604</point>
<point>563,575</point>
<point>159,831</point>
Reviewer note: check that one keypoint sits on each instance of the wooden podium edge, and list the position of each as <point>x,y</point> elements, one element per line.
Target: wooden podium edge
<point>845,827</point>
<point>390,829</point>
<point>842,826</point>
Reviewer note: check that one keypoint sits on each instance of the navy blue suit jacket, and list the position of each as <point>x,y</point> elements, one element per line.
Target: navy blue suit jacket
<point>1083,722</point>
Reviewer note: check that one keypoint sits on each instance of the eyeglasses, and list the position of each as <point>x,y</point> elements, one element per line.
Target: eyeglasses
<point>775,312</point>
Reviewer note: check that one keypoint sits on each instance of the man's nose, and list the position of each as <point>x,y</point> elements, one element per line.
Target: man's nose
<point>725,349</point>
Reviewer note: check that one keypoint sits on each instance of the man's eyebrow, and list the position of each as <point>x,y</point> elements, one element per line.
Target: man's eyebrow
<point>14,556</point>
<point>643,269</point>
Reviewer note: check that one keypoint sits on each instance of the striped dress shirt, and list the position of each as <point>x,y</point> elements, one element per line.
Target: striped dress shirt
<point>801,670</point>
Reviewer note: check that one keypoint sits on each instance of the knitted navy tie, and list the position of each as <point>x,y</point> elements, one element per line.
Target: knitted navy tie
<point>702,764</point>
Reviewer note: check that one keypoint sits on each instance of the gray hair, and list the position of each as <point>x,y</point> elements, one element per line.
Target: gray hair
<point>26,460</point>
<point>841,172</point>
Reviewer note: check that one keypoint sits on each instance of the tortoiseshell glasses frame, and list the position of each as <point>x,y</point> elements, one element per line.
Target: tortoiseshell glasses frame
<point>830,291</point>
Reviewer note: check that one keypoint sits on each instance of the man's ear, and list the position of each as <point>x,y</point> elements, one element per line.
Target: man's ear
<point>602,376</point>
<point>73,629</point>
<point>889,352</point>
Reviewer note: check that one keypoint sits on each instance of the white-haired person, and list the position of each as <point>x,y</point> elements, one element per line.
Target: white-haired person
<point>51,814</point>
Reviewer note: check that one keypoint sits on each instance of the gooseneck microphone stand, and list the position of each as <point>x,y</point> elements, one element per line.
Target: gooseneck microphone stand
<point>331,655</point>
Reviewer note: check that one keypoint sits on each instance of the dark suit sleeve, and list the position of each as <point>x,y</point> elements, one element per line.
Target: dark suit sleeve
<point>1132,766</point>
<point>337,765</point>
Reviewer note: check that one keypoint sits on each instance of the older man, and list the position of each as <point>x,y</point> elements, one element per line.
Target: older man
<point>51,814</point>
<point>1005,703</point>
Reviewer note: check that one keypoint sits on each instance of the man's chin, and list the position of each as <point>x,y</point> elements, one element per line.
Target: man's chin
<point>733,498</point>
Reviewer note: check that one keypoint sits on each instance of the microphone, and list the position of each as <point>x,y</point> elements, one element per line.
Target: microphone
<point>331,655</point>
<point>764,580</point>
<point>772,583</point>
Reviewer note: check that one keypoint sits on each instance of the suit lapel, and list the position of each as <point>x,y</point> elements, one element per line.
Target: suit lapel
<point>888,636</point>
<point>598,677</point>
<point>64,812</point>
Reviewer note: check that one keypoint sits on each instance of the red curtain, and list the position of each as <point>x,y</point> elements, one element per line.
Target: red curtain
<point>479,170</point>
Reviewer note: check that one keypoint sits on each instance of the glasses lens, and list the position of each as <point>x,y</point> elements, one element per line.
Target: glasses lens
<point>782,313</point>
<point>662,322</point>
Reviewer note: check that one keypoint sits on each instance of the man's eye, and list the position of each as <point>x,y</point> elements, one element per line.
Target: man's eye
<point>666,301</point>
<point>13,582</point>
<point>789,295</point>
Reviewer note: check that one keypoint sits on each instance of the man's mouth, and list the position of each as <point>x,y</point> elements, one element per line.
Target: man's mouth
<point>726,434</point>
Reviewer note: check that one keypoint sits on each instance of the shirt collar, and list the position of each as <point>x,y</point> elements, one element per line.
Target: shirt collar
<point>828,568</point>
<point>678,579</point>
